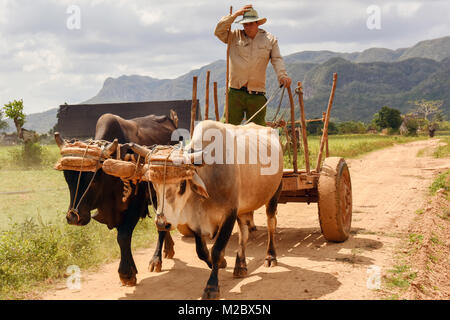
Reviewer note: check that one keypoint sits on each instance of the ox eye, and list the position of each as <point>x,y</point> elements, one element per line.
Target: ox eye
<point>182,187</point>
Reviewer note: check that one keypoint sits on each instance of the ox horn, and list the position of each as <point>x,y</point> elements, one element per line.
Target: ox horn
<point>59,141</point>
<point>143,152</point>
<point>193,158</point>
<point>110,148</point>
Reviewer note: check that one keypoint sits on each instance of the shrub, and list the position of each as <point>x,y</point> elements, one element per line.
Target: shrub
<point>441,182</point>
<point>31,155</point>
<point>32,252</point>
<point>444,125</point>
<point>392,131</point>
<point>412,125</point>
<point>387,118</point>
<point>348,127</point>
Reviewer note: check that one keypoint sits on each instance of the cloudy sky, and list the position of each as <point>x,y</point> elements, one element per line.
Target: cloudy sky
<point>47,58</point>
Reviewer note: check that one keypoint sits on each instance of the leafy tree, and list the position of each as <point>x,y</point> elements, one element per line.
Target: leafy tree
<point>14,111</point>
<point>3,123</point>
<point>387,118</point>
<point>427,108</point>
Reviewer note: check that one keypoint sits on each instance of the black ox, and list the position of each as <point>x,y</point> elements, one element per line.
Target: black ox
<point>105,191</point>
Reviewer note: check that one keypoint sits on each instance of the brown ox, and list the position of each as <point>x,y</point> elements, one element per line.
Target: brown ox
<point>225,188</point>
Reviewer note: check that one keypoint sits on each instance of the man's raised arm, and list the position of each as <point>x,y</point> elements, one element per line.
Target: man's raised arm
<point>223,27</point>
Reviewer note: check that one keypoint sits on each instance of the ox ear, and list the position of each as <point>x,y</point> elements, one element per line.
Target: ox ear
<point>198,186</point>
<point>195,158</point>
<point>59,141</point>
<point>174,117</point>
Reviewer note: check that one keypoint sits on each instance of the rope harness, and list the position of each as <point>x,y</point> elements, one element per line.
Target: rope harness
<point>74,209</point>
<point>274,93</point>
<point>279,105</point>
<point>71,154</point>
<point>148,159</point>
<point>265,104</point>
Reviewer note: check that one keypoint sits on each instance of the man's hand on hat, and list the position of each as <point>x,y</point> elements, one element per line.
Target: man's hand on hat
<point>243,10</point>
<point>285,81</point>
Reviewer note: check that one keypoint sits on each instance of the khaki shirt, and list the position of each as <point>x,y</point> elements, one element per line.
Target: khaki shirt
<point>249,57</point>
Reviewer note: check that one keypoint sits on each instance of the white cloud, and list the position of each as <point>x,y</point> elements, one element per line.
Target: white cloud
<point>173,30</point>
<point>3,12</point>
<point>147,16</point>
<point>402,9</point>
<point>44,60</point>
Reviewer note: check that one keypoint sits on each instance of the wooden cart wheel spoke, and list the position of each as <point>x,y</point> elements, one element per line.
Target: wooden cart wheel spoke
<point>346,203</point>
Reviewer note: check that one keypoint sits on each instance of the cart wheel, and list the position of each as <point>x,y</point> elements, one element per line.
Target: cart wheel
<point>335,199</point>
<point>185,231</point>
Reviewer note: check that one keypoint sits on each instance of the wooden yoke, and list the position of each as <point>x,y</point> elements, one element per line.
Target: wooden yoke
<point>228,71</point>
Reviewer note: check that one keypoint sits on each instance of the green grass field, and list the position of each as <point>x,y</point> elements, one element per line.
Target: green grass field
<point>31,193</point>
<point>347,146</point>
<point>44,194</point>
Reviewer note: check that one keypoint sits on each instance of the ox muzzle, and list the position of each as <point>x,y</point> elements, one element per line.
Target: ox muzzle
<point>161,222</point>
<point>73,217</point>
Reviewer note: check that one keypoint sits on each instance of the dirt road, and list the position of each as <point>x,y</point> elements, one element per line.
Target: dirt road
<point>388,187</point>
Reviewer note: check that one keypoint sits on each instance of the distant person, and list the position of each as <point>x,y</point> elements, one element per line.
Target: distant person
<point>431,130</point>
<point>250,51</point>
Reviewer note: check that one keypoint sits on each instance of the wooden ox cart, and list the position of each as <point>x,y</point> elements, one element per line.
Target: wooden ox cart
<point>328,184</point>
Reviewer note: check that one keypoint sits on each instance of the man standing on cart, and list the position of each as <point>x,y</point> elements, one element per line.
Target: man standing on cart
<point>250,51</point>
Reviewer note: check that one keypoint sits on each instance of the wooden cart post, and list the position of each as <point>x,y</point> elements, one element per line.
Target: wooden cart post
<point>207,95</point>
<point>194,104</point>
<point>216,102</point>
<point>303,123</point>
<point>228,71</point>
<point>325,125</point>
<point>294,136</point>
<point>326,138</point>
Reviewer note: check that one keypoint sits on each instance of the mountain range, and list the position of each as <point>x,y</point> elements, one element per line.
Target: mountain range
<point>367,81</point>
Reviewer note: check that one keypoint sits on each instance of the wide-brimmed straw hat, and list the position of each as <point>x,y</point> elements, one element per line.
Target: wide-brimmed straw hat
<point>252,16</point>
